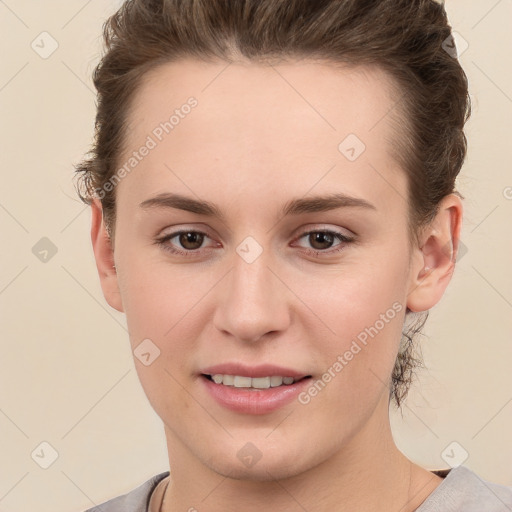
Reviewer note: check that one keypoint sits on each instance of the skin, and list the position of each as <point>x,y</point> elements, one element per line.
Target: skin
<point>259,137</point>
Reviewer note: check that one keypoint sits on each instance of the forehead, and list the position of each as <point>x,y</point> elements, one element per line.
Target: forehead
<point>256,124</point>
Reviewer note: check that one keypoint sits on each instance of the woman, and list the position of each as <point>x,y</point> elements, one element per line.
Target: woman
<point>273,207</point>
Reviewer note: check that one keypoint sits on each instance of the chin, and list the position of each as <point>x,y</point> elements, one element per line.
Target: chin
<point>260,472</point>
<point>242,460</point>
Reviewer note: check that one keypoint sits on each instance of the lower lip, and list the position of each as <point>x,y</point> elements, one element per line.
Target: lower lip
<point>248,401</point>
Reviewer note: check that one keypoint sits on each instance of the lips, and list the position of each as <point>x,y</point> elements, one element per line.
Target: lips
<point>250,400</point>
<point>263,370</point>
<point>244,388</point>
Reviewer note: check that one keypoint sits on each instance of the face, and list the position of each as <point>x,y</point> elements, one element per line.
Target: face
<point>263,273</point>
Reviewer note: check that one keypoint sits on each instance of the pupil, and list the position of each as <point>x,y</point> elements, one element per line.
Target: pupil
<point>190,238</point>
<point>321,238</point>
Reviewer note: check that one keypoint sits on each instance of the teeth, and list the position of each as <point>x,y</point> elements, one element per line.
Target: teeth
<point>257,382</point>
<point>261,382</point>
<point>276,381</point>
<point>241,382</point>
<point>228,380</point>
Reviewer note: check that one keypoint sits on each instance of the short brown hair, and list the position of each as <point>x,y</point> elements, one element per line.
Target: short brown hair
<point>405,38</point>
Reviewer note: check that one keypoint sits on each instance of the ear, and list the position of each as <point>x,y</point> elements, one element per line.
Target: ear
<point>433,262</point>
<point>104,255</point>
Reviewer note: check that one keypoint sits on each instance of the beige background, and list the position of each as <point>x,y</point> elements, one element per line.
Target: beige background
<point>66,372</point>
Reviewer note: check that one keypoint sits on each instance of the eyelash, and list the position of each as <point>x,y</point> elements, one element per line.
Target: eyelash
<point>343,239</point>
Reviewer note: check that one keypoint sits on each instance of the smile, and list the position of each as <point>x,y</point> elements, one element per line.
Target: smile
<point>239,381</point>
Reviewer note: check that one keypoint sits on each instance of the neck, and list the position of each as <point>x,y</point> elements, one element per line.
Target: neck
<point>368,473</point>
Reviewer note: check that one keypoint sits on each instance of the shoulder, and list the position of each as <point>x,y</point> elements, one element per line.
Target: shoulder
<point>462,490</point>
<point>134,501</point>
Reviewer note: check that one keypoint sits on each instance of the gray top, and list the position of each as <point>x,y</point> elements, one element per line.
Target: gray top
<point>461,491</point>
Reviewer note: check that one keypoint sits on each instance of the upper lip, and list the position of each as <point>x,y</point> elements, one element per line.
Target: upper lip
<point>262,370</point>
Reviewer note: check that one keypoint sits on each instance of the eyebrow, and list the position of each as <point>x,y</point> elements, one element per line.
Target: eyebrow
<point>296,206</point>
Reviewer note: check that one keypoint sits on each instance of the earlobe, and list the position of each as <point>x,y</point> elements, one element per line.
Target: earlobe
<point>104,256</point>
<point>434,260</point>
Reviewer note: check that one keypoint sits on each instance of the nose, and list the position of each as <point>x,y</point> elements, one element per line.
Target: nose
<point>252,301</point>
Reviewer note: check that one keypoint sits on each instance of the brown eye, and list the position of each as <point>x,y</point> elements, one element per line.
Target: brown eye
<point>191,240</point>
<point>320,240</point>
<point>183,242</point>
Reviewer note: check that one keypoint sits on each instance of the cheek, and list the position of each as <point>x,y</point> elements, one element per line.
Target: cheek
<point>340,302</point>
<point>155,295</point>
<point>358,297</point>
<point>161,321</point>
<point>170,306</point>
<point>364,311</point>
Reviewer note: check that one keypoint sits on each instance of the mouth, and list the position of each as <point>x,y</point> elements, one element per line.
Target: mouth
<point>253,383</point>
<point>253,389</point>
